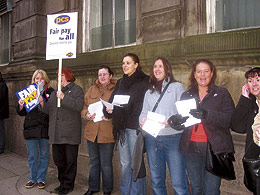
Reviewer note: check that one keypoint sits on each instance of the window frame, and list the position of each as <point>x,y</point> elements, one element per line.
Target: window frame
<point>86,46</point>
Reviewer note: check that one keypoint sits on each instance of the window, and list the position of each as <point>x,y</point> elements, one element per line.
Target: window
<point>5,7</point>
<point>112,23</point>
<point>232,14</point>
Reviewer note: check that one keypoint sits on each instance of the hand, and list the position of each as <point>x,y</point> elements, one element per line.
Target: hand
<point>105,119</point>
<point>21,103</point>
<point>109,111</point>
<point>176,121</point>
<point>199,113</point>
<point>60,95</point>
<point>245,90</point>
<point>142,122</point>
<point>91,117</point>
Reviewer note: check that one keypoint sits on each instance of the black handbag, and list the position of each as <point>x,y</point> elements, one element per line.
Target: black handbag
<point>251,171</point>
<point>221,164</point>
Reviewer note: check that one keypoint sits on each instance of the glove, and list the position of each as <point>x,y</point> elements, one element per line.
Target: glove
<point>176,121</point>
<point>199,113</point>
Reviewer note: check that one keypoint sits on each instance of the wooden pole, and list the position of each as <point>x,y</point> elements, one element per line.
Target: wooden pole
<point>59,80</point>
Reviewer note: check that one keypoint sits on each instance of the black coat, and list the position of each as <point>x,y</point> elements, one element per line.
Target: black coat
<point>243,119</point>
<point>220,106</point>
<point>36,122</point>
<point>4,106</point>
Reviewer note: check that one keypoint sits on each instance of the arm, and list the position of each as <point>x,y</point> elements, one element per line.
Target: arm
<point>20,108</point>
<point>240,117</point>
<point>75,102</point>
<point>145,109</point>
<point>221,117</point>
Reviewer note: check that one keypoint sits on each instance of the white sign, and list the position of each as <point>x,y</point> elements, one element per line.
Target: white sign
<point>61,36</point>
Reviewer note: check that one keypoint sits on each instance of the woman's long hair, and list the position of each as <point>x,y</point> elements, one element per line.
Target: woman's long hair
<point>44,76</point>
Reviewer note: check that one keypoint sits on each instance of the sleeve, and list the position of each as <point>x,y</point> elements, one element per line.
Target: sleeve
<point>240,116</point>
<point>21,112</point>
<point>145,108</point>
<point>86,105</point>
<point>221,117</point>
<point>75,102</point>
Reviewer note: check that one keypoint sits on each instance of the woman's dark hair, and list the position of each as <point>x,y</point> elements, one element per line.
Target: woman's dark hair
<point>168,73</point>
<point>193,82</point>
<point>135,59</point>
<point>69,75</point>
<point>253,72</point>
<point>108,69</point>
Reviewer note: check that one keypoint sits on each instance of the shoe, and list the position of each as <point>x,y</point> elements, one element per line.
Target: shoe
<point>41,185</point>
<point>30,184</point>
<point>64,191</point>
<point>56,190</point>
<point>90,192</point>
<point>107,193</point>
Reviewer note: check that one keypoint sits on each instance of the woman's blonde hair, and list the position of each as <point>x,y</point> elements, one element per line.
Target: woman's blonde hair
<point>44,76</point>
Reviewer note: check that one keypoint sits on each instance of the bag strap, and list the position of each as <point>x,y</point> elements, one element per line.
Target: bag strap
<point>159,99</point>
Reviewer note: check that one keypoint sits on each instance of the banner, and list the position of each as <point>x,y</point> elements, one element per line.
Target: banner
<point>61,36</point>
<point>30,96</point>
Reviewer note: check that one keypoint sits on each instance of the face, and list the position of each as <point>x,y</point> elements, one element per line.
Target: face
<point>103,76</point>
<point>129,66</point>
<point>39,79</point>
<point>254,85</point>
<point>158,70</point>
<point>203,74</point>
<point>64,81</point>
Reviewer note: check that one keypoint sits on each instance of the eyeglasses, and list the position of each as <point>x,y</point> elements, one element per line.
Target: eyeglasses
<point>103,75</point>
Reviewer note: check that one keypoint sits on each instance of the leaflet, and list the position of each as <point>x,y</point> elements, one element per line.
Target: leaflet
<point>154,123</point>
<point>96,108</point>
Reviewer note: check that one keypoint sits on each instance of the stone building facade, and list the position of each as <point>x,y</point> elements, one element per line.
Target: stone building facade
<point>180,30</point>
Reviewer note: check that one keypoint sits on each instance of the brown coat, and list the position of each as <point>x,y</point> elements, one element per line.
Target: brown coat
<point>102,129</point>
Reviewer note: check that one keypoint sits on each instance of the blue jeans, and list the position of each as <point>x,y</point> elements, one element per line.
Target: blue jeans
<point>2,136</point>
<point>38,170</point>
<point>101,155</point>
<point>127,186</point>
<point>202,181</point>
<point>162,150</point>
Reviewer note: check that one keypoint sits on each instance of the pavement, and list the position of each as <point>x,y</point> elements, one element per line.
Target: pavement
<point>14,174</point>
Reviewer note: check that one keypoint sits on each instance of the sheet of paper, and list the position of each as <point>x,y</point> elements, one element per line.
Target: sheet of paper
<point>108,105</point>
<point>98,109</point>
<point>154,123</point>
<point>184,107</point>
<point>120,99</point>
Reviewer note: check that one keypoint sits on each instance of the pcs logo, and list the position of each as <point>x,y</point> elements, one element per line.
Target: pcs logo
<point>62,19</point>
<point>69,54</point>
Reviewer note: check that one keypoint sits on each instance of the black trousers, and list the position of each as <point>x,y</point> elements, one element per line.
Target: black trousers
<point>65,158</point>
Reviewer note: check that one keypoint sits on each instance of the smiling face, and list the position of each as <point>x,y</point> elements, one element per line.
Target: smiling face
<point>104,76</point>
<point>39,78</point>
<point>158,70</point>
<point>203,74</point>
<point>254,85</point>
<point>129,66</point>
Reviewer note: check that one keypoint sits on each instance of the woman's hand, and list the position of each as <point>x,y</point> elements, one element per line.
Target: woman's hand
<point>245,90</point>
<point>91,117</point>
<point>109,110</point>
<point>105,119</point>
<point>142,122</point>
<point>21,103</point>
<point>60,95</point>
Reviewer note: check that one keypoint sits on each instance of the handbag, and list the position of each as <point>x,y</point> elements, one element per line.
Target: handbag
<point>220,164</point>
<point>251,171</point>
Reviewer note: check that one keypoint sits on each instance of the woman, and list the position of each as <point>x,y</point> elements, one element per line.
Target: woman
<point>245,118</point>
<point>214,108</point>
<point>125,120</point>
<point>36,134</point>
<point>65,129</point>
<point>164,148</point>
<point>99,134</point>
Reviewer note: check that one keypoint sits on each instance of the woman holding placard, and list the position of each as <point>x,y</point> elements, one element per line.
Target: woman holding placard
<point>162,147</point>
<point>125,120</point>
<point>98,132</point>
<point>214,109</point>
<point>65,129</point>
<point>35,133</point>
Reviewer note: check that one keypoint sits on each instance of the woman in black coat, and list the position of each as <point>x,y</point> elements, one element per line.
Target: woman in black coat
<point>35,132</point>
<point>246,118</point>
<point>126,120</point>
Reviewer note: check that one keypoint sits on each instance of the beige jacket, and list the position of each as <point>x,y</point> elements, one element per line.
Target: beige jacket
<point>102,130</point>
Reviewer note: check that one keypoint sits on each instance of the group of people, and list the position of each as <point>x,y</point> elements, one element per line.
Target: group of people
<point>182,148</point>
